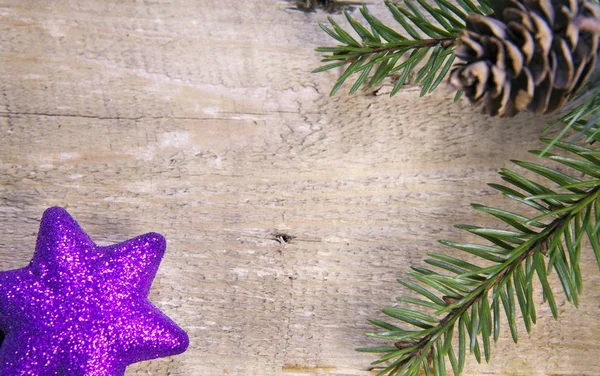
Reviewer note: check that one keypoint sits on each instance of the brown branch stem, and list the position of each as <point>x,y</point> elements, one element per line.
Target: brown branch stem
<point>433,42</point>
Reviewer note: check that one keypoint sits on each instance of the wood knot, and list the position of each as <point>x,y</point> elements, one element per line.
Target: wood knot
<point>283,238</point>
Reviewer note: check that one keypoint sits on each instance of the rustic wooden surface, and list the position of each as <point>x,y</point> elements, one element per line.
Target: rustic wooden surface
<point>200,120</point>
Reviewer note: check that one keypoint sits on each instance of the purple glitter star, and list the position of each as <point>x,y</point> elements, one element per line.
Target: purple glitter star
<point>81,309</point>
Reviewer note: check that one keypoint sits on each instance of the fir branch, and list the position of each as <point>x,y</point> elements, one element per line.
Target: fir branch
<point>383,50</point>
<point>471,295</point>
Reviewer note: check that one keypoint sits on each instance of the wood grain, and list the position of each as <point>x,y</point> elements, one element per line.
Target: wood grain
<point>200,120</point>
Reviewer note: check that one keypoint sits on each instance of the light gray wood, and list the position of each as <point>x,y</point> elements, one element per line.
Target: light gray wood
<point>201,120</point>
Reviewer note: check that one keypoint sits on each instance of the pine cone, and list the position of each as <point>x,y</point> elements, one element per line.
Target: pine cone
<point>532,54</point>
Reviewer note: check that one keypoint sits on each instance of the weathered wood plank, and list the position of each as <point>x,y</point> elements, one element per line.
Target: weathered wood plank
<point>200,120</point>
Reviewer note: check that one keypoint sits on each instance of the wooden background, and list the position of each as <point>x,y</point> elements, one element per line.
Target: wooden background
<point>201,120</point>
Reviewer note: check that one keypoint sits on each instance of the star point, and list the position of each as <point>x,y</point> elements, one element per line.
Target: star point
<point>83,309</point>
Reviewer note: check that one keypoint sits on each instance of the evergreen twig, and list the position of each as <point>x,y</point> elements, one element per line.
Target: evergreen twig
<point>426,43</point>
<point>382,50</point>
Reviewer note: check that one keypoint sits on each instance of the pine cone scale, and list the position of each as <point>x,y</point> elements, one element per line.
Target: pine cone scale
<point>482,72</point>
<point>499,79</point>
<point>515,58</point>
<point>497,105</point>
<point>557,99</point>
<point>563,69</point>
<point>544,34</point>
<point>519,17</point>
<point>572,35</point>
<point>541,98</point>
<point>470,49</point>
<point>525,91</point>
<point>542,7</point>
<point>539,66</point>
<point>524,40</point>
<point>486,25</point>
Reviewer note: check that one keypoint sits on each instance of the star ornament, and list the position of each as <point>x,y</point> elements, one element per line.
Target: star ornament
<point>81,309</point>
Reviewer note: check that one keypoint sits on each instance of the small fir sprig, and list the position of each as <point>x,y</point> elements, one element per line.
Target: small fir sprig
<point>380,50</point>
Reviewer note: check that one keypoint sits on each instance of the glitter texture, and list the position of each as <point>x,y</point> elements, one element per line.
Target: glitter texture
<point>82,309</point>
